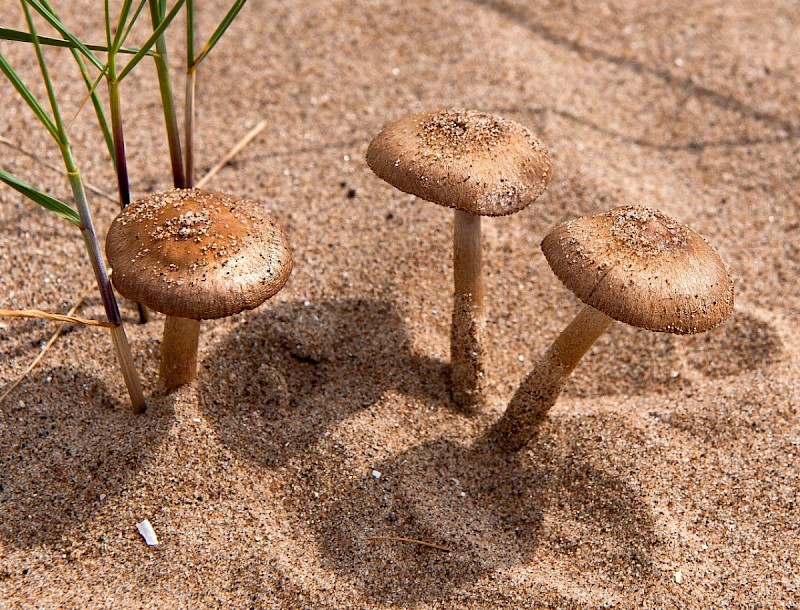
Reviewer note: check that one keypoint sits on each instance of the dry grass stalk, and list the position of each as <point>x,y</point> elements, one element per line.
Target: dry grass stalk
<point>409,540</point>
<point>44,350</point>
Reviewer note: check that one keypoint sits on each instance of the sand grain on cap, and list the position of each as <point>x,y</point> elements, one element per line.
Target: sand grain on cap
<point>453,134</point>
<point>647,232</point>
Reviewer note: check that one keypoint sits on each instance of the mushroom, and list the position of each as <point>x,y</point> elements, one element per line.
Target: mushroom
<point>631,264</point>
<point>195,255</point>
<point>481,165</point>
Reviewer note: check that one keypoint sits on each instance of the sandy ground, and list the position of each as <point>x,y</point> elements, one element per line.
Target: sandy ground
<point>665,477</point>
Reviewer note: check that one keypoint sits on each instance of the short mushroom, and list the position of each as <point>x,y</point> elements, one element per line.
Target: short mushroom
<point>195,255</point>
<point>481,165</point>
<point>631,264</point>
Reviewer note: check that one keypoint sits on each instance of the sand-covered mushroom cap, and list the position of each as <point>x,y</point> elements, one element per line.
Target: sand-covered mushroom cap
<point>472,161</point>
<point>643,268</point>
<point>197,254</point>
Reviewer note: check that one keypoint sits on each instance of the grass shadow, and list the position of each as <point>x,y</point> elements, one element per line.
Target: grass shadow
<point>62,450</point>
<point>30,335</point>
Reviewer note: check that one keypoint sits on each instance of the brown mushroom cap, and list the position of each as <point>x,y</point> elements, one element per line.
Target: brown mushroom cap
<point>197,254</point>
<point>640,267</point>
<point>475,162</point>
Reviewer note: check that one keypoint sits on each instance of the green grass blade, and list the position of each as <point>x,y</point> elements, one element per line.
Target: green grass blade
<point>157,12</point>
<point>29,98</point>
<point>43,199</point>
<point>48,83</point>
<point>158,9</point>
<point>132,21</point>
<point>90,86</point>
<point>98,107</point>
<point>19,36</point>
<point>56,23</point>
<point>121,21</point>
<point>157,32</point>
<point>107,21</point>
<point>224,24</point>
<point>189,34</point>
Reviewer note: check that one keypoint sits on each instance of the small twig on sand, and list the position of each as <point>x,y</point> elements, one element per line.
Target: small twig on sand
<point>46,347</point>
<point>232,153</point>
<point>410,540</point>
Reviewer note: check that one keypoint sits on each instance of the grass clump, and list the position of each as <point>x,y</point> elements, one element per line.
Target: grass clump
<point>111,63</point>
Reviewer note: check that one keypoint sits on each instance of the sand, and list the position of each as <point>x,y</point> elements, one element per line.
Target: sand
<point>666,476</point>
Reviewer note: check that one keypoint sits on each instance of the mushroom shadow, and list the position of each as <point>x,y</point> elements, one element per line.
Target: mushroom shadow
<point>63,448</point>
<point>633,362</point>
<point>293,372</point>
<point>487,509</point>
<point>628,361</point>
<point>744,343</point>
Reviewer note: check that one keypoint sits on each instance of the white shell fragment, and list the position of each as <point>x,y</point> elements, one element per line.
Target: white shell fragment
<point>147,532</point>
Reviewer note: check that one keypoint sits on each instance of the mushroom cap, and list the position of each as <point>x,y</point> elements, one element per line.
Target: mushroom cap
<point>475,162</point>
<point>197,254</point>
<point>643,268</point>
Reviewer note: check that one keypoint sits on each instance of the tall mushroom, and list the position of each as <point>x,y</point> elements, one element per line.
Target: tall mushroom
<point>631,264</point>
<point>481,165</point>
<point>195,255</point>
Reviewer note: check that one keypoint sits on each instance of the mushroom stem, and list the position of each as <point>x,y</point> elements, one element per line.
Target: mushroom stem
<point>144,313</point>
<point>467,353</point>
<point>179,351</point>
<point>541,388</point>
